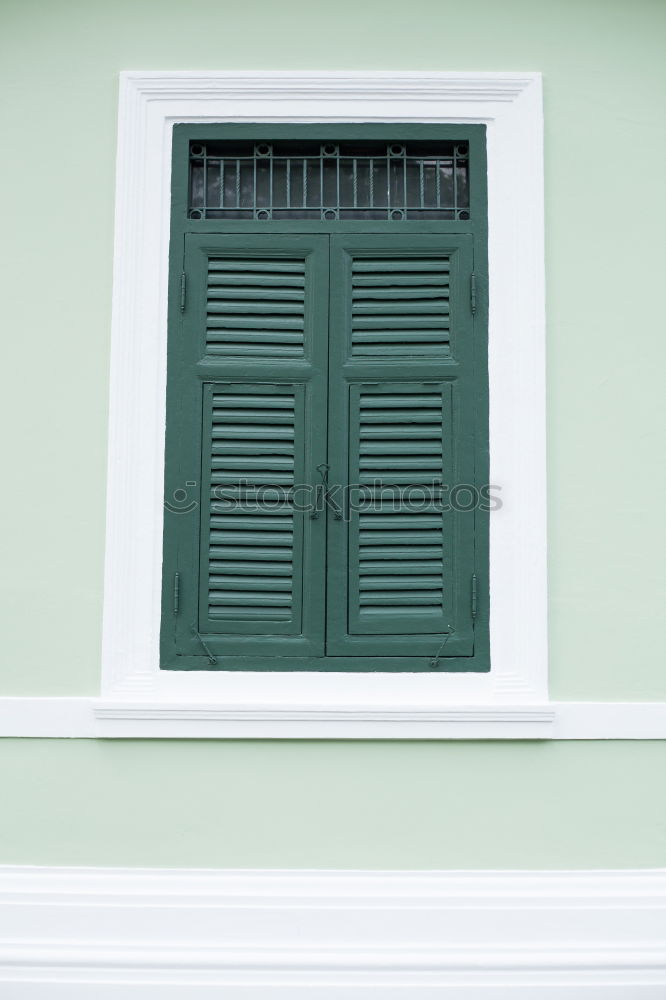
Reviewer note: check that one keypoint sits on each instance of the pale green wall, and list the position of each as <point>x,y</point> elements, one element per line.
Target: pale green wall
<point>394,804</point>
<point>299,804</point>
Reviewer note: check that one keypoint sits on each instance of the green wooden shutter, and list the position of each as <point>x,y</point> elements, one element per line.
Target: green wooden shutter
<point>401,436</point>
<point>252,537</point>
<point>246,424</point>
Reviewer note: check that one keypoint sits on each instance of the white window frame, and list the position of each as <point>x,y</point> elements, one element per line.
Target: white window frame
<point>512,699</point>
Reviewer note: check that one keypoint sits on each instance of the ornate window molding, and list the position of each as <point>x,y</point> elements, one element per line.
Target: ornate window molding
<point>512,699</point>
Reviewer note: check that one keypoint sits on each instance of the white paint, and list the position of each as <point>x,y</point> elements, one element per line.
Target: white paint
<point>511,106</point>
<point>273,935</point>
<point>93,717</point>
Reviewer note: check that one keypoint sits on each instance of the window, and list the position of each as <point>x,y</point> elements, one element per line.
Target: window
<point>327,429</point>
<point>140,698</point>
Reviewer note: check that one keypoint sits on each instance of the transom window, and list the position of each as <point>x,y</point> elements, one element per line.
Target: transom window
<point>329,180</point>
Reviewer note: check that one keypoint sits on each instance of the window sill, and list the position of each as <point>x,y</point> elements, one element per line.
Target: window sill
<point>300,721</point>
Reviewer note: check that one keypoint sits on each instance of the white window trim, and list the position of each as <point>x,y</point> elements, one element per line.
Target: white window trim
<point>513,697</point>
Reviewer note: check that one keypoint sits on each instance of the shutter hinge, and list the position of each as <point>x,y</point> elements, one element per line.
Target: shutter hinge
<point>473,595</point>
<point>183,285</point>
<point>211,658</point>
<point>176,593</point>
<point>472,293</point>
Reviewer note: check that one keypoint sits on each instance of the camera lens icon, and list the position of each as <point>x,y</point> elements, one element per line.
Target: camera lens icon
<point>181,501</point>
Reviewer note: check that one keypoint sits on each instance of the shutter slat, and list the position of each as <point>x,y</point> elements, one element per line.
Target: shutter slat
<point>239,583</point>
<point>252,569</point>
<point>405,569</point>
<point>231,307</point>
<point>266,555</point>
<point>416,401</point>
<point>399,552</point>
<point>271,447</point>
<point>411,520</point>
<point>363,282</point>
<point>231,431</point>
<point>256,293</point>
<point>251,402</point>
<point>389,293</point>
<point>435,308</point>
<point>245,279</point>
<point>421,601</point>
<point>233,322</point>
<point>389,265</point>
<point>373,433</point>
<point>388,583</point>
<point>249,265</point>
<point>217,338</point>
<point>252,526</point>
<point>409,326</point>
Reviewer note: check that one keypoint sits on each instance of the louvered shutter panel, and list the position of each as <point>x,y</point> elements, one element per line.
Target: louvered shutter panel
<point>255,308</point>
<point>400,544</point>
<point>400,306</point>
<point>247,424</point>
<point>252,537</point>
<point>401,419</point>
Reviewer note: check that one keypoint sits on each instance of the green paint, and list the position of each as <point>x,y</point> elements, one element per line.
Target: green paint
<point>261,326</point>
<point>251,343</point>
<point>251,396</point>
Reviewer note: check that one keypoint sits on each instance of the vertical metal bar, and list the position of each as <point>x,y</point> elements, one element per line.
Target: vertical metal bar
<point>305,183</point>
<point>355,181</point>
<point>254,181</point>
<point>388,184</point>
<point>438,182</point>
<point>270,181</point>
<point>237,183</point>
<point>337,182</point>
<point>455,180</point>
<point>404,184</point>
<point>421,182</point>
<point>288,167</point>
<point>372,181</point>
<point>321,180</point>
<point>221,182</point>
<point>205,184</point>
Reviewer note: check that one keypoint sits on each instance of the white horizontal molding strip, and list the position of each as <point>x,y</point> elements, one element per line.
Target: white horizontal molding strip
<point>510,105</point>
<point>333,85</point>
<point>309,935</point>
<point>104,717</point>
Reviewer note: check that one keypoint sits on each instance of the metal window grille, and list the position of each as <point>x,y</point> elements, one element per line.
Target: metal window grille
<point>290,180</point>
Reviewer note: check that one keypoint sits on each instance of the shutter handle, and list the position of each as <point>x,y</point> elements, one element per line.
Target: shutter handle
<point>320,490</point>
<point>322,494</point>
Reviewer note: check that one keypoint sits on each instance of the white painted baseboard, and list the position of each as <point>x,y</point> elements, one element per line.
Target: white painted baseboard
<point>90,718</point>
<point>142,934</point>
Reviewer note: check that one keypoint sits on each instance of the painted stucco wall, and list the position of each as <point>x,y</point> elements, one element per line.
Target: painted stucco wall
<point>334,803</point>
